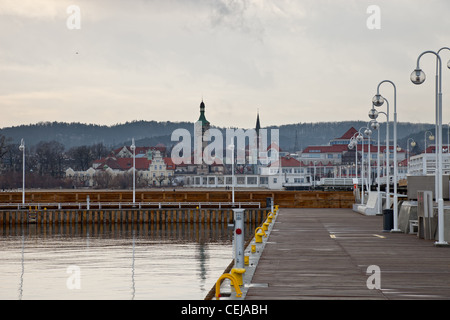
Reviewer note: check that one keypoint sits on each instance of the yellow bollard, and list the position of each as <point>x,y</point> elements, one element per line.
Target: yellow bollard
<point>246,260</point>
<point>258,235</point>
<point>269,217</point>
<point>237,273</point>
<point>253,248</point>
<point>265,226</point>
<point>233,282</point>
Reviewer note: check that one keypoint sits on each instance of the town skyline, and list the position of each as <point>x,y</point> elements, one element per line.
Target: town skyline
<point>312,61</point>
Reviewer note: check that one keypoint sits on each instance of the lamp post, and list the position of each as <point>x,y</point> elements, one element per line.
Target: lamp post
<point>314,175</point>
<point>354,143</point>
<point>378,101</point>
<point>22,148</point>
<point>431,137</point>
<point>425,161</point>
<point>231,147</point>
<point>437,73</point>
<point>133,148</point>
<point>368,133</point>
<point>418,77</point>
<point>376,126</point>
<point>360,137</point>
<point>413,144</point>
<point>387,167</point>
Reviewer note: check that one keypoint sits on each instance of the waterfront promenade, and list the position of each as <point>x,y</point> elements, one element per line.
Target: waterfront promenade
<point>325,254</point>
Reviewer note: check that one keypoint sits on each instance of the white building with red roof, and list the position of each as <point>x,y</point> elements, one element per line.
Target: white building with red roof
<point>151,166</point>
<point>337,160</point>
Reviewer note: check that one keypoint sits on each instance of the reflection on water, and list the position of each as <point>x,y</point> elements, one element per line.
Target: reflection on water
<point>123,261</point>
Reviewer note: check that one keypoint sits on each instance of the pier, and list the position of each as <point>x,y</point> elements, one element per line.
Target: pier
<point>146,216</point>
<point>286,199</point>
<point>338,254</point>
<point>155,206</point>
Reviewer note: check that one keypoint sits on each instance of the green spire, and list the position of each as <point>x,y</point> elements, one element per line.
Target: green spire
<point>202,117</point>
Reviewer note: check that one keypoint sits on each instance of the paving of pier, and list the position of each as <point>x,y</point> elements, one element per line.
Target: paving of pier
<point>325,254</point>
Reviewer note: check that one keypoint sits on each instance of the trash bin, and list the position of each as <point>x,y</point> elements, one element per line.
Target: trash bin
<point>388,219</point>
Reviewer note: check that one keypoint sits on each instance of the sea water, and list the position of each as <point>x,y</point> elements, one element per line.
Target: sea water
<point>156,262</point>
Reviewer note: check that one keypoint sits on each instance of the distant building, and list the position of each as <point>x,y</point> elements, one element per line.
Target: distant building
<point>141,152</point>
<point>425,163</point>
<point>152,168</point>
<point>338,160</point>
<point>161,169</point>
<point>203,168</point>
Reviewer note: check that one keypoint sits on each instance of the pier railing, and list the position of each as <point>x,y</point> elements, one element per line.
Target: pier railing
<point>127,205</point>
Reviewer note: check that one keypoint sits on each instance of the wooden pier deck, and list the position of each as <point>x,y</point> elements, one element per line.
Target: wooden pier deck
<point>325,254</point>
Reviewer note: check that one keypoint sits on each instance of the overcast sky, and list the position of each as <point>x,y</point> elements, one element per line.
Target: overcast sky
<point>294,60</point>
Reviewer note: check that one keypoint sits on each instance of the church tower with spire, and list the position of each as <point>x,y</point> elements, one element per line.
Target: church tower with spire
<point>257,131</point>
<point>257,128</point>
<point>203,126</point>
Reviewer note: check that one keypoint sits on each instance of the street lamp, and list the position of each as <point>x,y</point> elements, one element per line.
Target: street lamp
<point>350,146</point>
<point>387,158</point>
<point>314,176</point>
<point>413,144</point>
<point>418,77</point>
<point>368,133</point>
<point>431,137</point>
<point>378,101</point>
<point>436,181</point>
<point>358,137</point>
<point>375,125</point>
<point>231,147</point>
<point>133,148</point>
<point>373,113</point>
<point>22,148</point>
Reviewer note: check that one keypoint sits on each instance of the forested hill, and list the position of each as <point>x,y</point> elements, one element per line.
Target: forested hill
<point>77,134</point>
<point>293,137</point>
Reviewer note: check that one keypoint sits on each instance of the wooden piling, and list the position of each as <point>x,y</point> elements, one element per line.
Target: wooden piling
<point>127,216</point>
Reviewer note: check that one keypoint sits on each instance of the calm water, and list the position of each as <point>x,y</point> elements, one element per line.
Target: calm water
<point>179,261</point>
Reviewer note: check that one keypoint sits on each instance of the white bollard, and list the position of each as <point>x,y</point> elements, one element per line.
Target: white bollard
<point>239,238</point>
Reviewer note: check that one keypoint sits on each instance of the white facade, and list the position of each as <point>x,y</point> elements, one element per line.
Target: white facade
<point>425,164</point>
<point>221,181</point>
<point>160,172</point>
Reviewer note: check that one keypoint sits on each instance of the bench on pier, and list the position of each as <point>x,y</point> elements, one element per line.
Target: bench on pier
<point>370,208</point>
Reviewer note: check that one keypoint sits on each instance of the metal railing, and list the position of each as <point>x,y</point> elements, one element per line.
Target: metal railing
<point>127,205</point>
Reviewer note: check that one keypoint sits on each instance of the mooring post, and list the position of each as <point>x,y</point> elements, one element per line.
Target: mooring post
<point>239,237</point>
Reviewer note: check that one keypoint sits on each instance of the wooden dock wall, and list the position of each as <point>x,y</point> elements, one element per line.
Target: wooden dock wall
<point>285,199</point>
<point>145,216</point>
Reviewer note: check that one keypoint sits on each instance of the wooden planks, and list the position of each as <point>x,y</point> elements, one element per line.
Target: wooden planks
<point>325,254</point>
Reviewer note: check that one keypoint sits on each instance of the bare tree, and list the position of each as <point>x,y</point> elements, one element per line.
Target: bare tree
<point>160,179</point>
<point>103,180</point>
<point>50,157</point>
<point>81,157</point>
<point>123,181</point>
<point>3,149</point>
